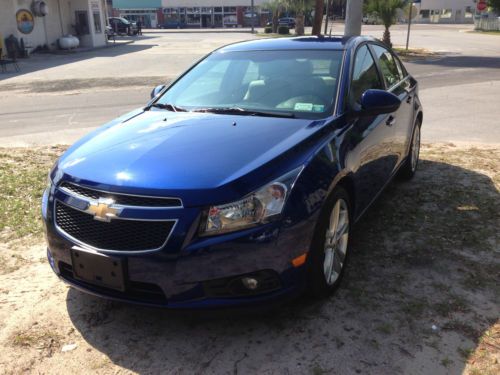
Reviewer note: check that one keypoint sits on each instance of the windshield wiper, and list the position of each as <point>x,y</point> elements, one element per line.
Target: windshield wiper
<point>245,112</point>
<point>168,107</point>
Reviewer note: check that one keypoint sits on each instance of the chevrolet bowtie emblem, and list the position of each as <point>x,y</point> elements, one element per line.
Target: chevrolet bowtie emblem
<point>102,209</point>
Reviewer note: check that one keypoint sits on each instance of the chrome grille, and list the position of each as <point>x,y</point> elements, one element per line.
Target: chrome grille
<point>121,199</point>
<point>116,235</point>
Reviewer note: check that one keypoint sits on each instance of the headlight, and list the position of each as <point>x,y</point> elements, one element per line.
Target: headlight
<point>45,197</point>
<point>259,207</point>
<point>46,192</point>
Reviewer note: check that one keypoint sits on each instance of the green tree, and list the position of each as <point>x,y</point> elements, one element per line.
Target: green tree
<point>386,10</point>
<point>300,8</point>
<point>319,6</point>
<point>495,5</point>
<point>276,7</point>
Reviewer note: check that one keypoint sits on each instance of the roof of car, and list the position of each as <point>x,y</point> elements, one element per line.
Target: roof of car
<point>297,43</point>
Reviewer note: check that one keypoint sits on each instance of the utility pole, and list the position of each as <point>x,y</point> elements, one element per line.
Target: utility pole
<point>353,17</point>
<point>326,20</point>
<point>253,14</point>
<point>409,24</point>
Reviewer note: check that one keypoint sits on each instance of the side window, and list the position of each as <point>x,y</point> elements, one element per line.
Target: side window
<point>364,76</point>
<point>390,70</point>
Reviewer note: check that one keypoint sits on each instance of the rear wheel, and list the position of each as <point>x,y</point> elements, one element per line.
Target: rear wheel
<point>328,256</point>
<point>409,167</point>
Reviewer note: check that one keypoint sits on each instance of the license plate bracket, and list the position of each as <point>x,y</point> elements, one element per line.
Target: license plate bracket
<point>98,269</point>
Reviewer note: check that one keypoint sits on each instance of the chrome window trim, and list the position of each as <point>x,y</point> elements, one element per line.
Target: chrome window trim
<point>108,251</point>
<point>79,196</point>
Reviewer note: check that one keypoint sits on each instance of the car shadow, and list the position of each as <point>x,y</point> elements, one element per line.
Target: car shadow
<point>417,294</point>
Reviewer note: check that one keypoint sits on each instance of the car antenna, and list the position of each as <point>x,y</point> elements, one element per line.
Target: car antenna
<point>331,31</point>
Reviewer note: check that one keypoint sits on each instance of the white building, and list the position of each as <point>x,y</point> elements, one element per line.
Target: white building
<point>212,13</point>
<point>446,11</point>
<point>25,19</point>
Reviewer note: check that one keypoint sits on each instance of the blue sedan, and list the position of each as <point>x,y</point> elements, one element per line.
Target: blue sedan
<point>240,182</point>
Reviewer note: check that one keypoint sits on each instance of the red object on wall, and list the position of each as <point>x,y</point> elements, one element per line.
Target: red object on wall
<point>160,16</point>
<point>481,5</point>
<point>239,15</point>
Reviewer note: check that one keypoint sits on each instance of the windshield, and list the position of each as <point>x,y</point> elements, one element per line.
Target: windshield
<point>302,83</point>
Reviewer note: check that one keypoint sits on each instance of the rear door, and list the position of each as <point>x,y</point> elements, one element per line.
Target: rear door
<point>397,81</point>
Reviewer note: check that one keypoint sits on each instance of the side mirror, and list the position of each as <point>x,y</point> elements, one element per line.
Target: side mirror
<point>377,102</point>
<point>157,90</point>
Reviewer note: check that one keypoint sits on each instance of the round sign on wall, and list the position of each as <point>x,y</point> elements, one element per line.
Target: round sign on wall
<point>481,5</point>
<point>25,21</point>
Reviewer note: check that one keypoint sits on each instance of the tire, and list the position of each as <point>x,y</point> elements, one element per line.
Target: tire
<point>330,246</point>
<point>408,169</point>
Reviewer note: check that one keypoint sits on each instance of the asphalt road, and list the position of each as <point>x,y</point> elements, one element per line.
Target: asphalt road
<point>58,98</point>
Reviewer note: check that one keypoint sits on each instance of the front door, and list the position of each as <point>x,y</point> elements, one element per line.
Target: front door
<point>372,154</point>
<point>398,82</point>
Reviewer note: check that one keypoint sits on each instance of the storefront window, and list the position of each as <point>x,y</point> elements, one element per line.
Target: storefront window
<point>229,9</point>
<point>446,13</point>
<point>193,19</point>
<point>424,13</point>
<point>468,12</point>
<point>218,10</point>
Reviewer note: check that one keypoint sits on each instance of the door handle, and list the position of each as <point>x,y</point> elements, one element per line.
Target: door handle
<point>408,99</point>
<point>390,121</point>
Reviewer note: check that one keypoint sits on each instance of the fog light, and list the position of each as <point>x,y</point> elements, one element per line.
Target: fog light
<point>250,283</point>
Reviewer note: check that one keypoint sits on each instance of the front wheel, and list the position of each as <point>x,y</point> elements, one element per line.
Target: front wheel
<point>409,167</point>
<point>328,255</point>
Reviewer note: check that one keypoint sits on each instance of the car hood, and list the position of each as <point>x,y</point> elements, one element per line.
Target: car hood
<point>187,154</point>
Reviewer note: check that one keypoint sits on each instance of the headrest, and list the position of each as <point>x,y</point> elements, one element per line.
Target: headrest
<point>334,68</point>
<point>300,68</point>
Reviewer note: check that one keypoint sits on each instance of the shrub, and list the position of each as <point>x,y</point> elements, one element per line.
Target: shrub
<point>268,29</point>
<point>283,30</point>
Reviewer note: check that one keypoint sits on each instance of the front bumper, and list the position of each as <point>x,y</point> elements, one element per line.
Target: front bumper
<point>201,273</point>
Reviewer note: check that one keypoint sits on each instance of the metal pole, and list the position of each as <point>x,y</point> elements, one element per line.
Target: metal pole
<point>353,17</point>
<point>326,20</point>
<point>409,24</point>
<point>252,6</point>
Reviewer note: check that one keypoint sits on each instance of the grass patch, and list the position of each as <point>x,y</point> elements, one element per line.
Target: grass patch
<point>42,339</point>
<point>446,362</point>
<point>491,32</point>
<point>23,177</point>
<point>385,328</point>
<point>11,263</point>
<point>452,304</point>
<point>412,54</point>
<point>276,35</point>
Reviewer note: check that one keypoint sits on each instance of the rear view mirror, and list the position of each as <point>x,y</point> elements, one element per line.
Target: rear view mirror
<point>377,102</point>
<point>157,90</point>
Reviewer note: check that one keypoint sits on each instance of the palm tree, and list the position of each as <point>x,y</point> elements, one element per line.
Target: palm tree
<point>386,10</point>
<point>276,7</point>
<point>300,7</point>
<point>318,16</point>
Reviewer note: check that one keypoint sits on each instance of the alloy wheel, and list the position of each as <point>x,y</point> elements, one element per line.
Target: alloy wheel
<point>337,237</point>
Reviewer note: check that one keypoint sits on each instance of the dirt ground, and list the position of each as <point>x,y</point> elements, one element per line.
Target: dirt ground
<point>420,296</point>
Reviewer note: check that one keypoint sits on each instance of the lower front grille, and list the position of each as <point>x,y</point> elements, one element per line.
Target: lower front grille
<point>116,235</point>
<point>136,291</point>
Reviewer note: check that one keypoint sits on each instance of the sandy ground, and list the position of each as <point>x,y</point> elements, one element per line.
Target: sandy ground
<point>420,296</point>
